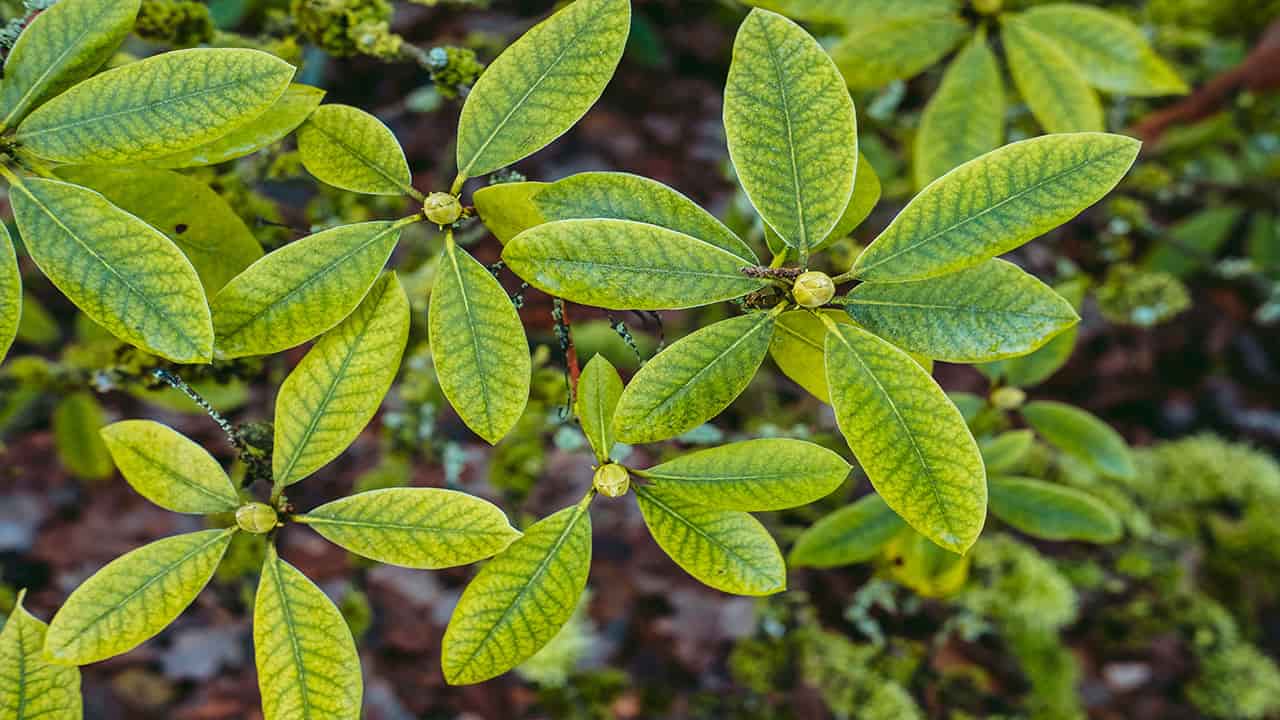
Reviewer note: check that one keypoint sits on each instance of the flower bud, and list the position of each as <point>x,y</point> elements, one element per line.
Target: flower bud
<point>1008,398</point>
<point>813,289</point>
<point>442,208</point>
<point>988,7</point>
<point>257,518</point>
<point>612,480</point>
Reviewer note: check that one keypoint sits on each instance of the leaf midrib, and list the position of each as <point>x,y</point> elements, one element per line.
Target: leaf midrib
<point>972,218</point>
<point>294,645</point>
<point>146,300</point>
<point>969,309</point>
<point>230,502</point>
<point>364,160</point>
<point>683,388</point>
<point>313,519</point>
<point>452,250</point>
<point>791,143</point>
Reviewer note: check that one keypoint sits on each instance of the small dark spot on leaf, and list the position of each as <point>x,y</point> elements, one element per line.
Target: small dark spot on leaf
<point>180,228</point>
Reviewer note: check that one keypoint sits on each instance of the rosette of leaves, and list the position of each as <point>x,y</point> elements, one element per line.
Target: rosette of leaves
<point>697,507</point>
<point>137,257</point>
<point>536,90</point>
<point>930,286</point>
<point>307,662</point>
<point>1060,55</point>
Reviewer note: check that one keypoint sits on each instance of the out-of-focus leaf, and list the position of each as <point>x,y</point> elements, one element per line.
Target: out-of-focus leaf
<point>1053,512</point>
<point>965,116</point>
<point>853,534</point>
<point>1081,435</point>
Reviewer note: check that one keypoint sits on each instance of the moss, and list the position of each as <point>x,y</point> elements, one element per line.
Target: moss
<point>453,69</point>
<point>348,27</point>
<point>1237,682</point>
<point>181,23</point>
<point>1053,672</point>
<point>1130,296</point>
<point>1018,588</point>
<point>844,673</point>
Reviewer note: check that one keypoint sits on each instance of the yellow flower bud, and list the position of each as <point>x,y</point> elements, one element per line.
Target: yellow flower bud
<point>813,289</point>
<point>1008,398</point>
<point>612,480</point>
<point>442,208</point>
<point>257,518</point>
<point>988,7</point>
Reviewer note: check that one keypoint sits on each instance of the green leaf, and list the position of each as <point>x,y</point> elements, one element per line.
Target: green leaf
<point>1049,80</point>
<point>479,346</point>
<point>37,326</point>
<point>908,437</point>
<point>307,662</point>
<point>301,290</point>
<point>993,204</point>
<point>134,597</point>
<point>289,111</point>
<point>197,219</point>
<point>854,11</point>
<point>693,380</point>
<point>424,528</point>
<point>1035,368</point>
<point>791,129</point>
<point>1194,242</point>
<point>123,273</point>
<point>520,599</point>
<point>874,54</point>
<point>986,312</point>
<point>965,116</point>
<point>335,390</point>
<point>1111,52</point>
<point>599,389</point>
<point>154,107</point>
<point>728,550</point>
<point>168,469</point>
<point>11,310</point>
<point>1006,451</point>
<point>1263,243</point>
<point>30,686</point>
<point>621,196</point>
<point>1053,512</point>
<point>63,45</point>
<point>853,534</point>
<point>541,85</point>
<point>350,149</point>
<point>754,475</point>
<point>866,193</point>
<point>507,209</point>
<point>1083,436</point>
<point>77,419</point>
<point>626,265</point>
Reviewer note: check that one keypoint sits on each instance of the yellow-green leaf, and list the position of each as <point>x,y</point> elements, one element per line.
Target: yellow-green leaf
<point>622,196</point>
<point>1006,451</point>
<point>853,534</point>
<point>599,389</point>
<point>301,290</point>
<point>1110,51</point>
<point>520,599</point>
<point>63,45</point>
<point>626,265</point>
<point>507,209</point>
<point>915,562</point>
<point>289,111</point>
<point>77,419</point>
<point>995,203</point>
<point>154,107</point>
<point>1053,512</point>
<point>791,129</point>
<point>1083,436</point>
<point>30,686</point>
<point>170,470</point>
<point>10,292</point>
<point>197,219</point>
<point>123,273</point>
<point>541,85</point>
<point>350,149</point>
<point>1035,368</point>
<point>908,437</point>
<point>426,528</point>
<point>853,11</point>
<point>875,53</point>
<point>337,388</point>
<point>986,312</point>
<point>37,326</point>
<point>693,380</point>
<point>728,550</point>
<point>753,476</point>
<point>134,597</point>
<point>307,663</point>
<point>1049,80</point>
<point>866,193</point>
<point>965,116</point>
<point>479,346</point>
